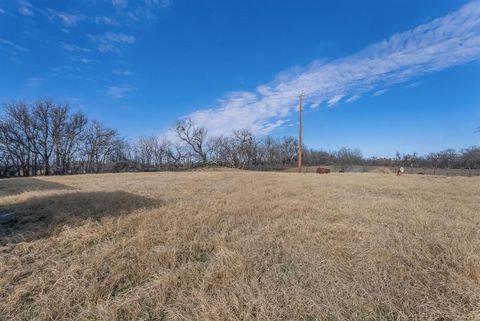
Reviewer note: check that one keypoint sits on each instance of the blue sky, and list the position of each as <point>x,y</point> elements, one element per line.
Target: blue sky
<point>380,76</point>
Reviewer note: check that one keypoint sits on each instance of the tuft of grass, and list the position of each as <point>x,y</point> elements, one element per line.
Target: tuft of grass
<point>235,245</point>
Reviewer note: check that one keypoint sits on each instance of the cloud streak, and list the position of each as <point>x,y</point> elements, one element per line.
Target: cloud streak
<point>379,92</point>
<point>122,72</point>
<point>139,10</point>
<point>25,8</point>
<point>118,92</point>
<point>68,20</point>
<point>107,21</point>
<point>109,41</point>
<point>34,81</point>
<point>12,45</point>
<point>73,48</point>
<point>119,3</point>
<point>442,43</point>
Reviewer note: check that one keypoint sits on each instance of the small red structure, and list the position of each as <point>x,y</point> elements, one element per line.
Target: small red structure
<point>321,170</point>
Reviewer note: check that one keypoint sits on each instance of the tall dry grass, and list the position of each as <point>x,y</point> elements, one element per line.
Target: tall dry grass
<point>241,246</point>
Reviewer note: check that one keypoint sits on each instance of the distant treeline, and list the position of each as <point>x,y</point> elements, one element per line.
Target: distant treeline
<point>46,138</point>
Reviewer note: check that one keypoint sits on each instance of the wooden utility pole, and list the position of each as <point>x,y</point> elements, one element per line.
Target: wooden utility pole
<point>300,133</point>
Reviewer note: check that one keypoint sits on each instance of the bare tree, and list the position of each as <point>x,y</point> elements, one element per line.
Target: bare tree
<point>40,136</point>
<point>19,137</point>
<point>194,137</point>
<point>15,152</point>
<point>98,145</point>
<point>46,138</point>
<point>145,152</point>
<point>246,147</point>
<point>151,152</point>
<point>46,128</point>
<point>470,157</point>
<point>347,157</point>
<point>270,152</point>
<point>67,140</point>
<point>176,154</point>
<point>290,150</point>
<point>447,158</point>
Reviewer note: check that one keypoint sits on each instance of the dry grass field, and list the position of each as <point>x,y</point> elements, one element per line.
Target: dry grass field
<point>392,170</point>
<point>232,245</point>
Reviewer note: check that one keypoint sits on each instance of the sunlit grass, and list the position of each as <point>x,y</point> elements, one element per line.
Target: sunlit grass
<point>233,245</point>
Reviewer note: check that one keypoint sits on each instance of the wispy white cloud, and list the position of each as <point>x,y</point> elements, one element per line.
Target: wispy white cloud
<point>353,98</point>
<point>65,70</point>
<point>83,60</point>
<point>442,43</point>
<point>120,3</point>
<point>144,3</point>
<point>12,45</point>
<point>67,19</point>
<point>413,84</point>
<point>104,20</point>
<point>34,81</point>
<point>73,48</point>
<point>25,8</point>
<point>334,100</point>
<point>119,91</point>
<point>109,41</point>
<point>70,20</point>
<point>122,72</point>
<point>146,10</point>
<point>379,92</point>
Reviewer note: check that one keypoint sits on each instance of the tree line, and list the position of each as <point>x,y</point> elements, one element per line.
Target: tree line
<point>47,138</point>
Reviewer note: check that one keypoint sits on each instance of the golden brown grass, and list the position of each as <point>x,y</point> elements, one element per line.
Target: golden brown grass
<point>241,246</point>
